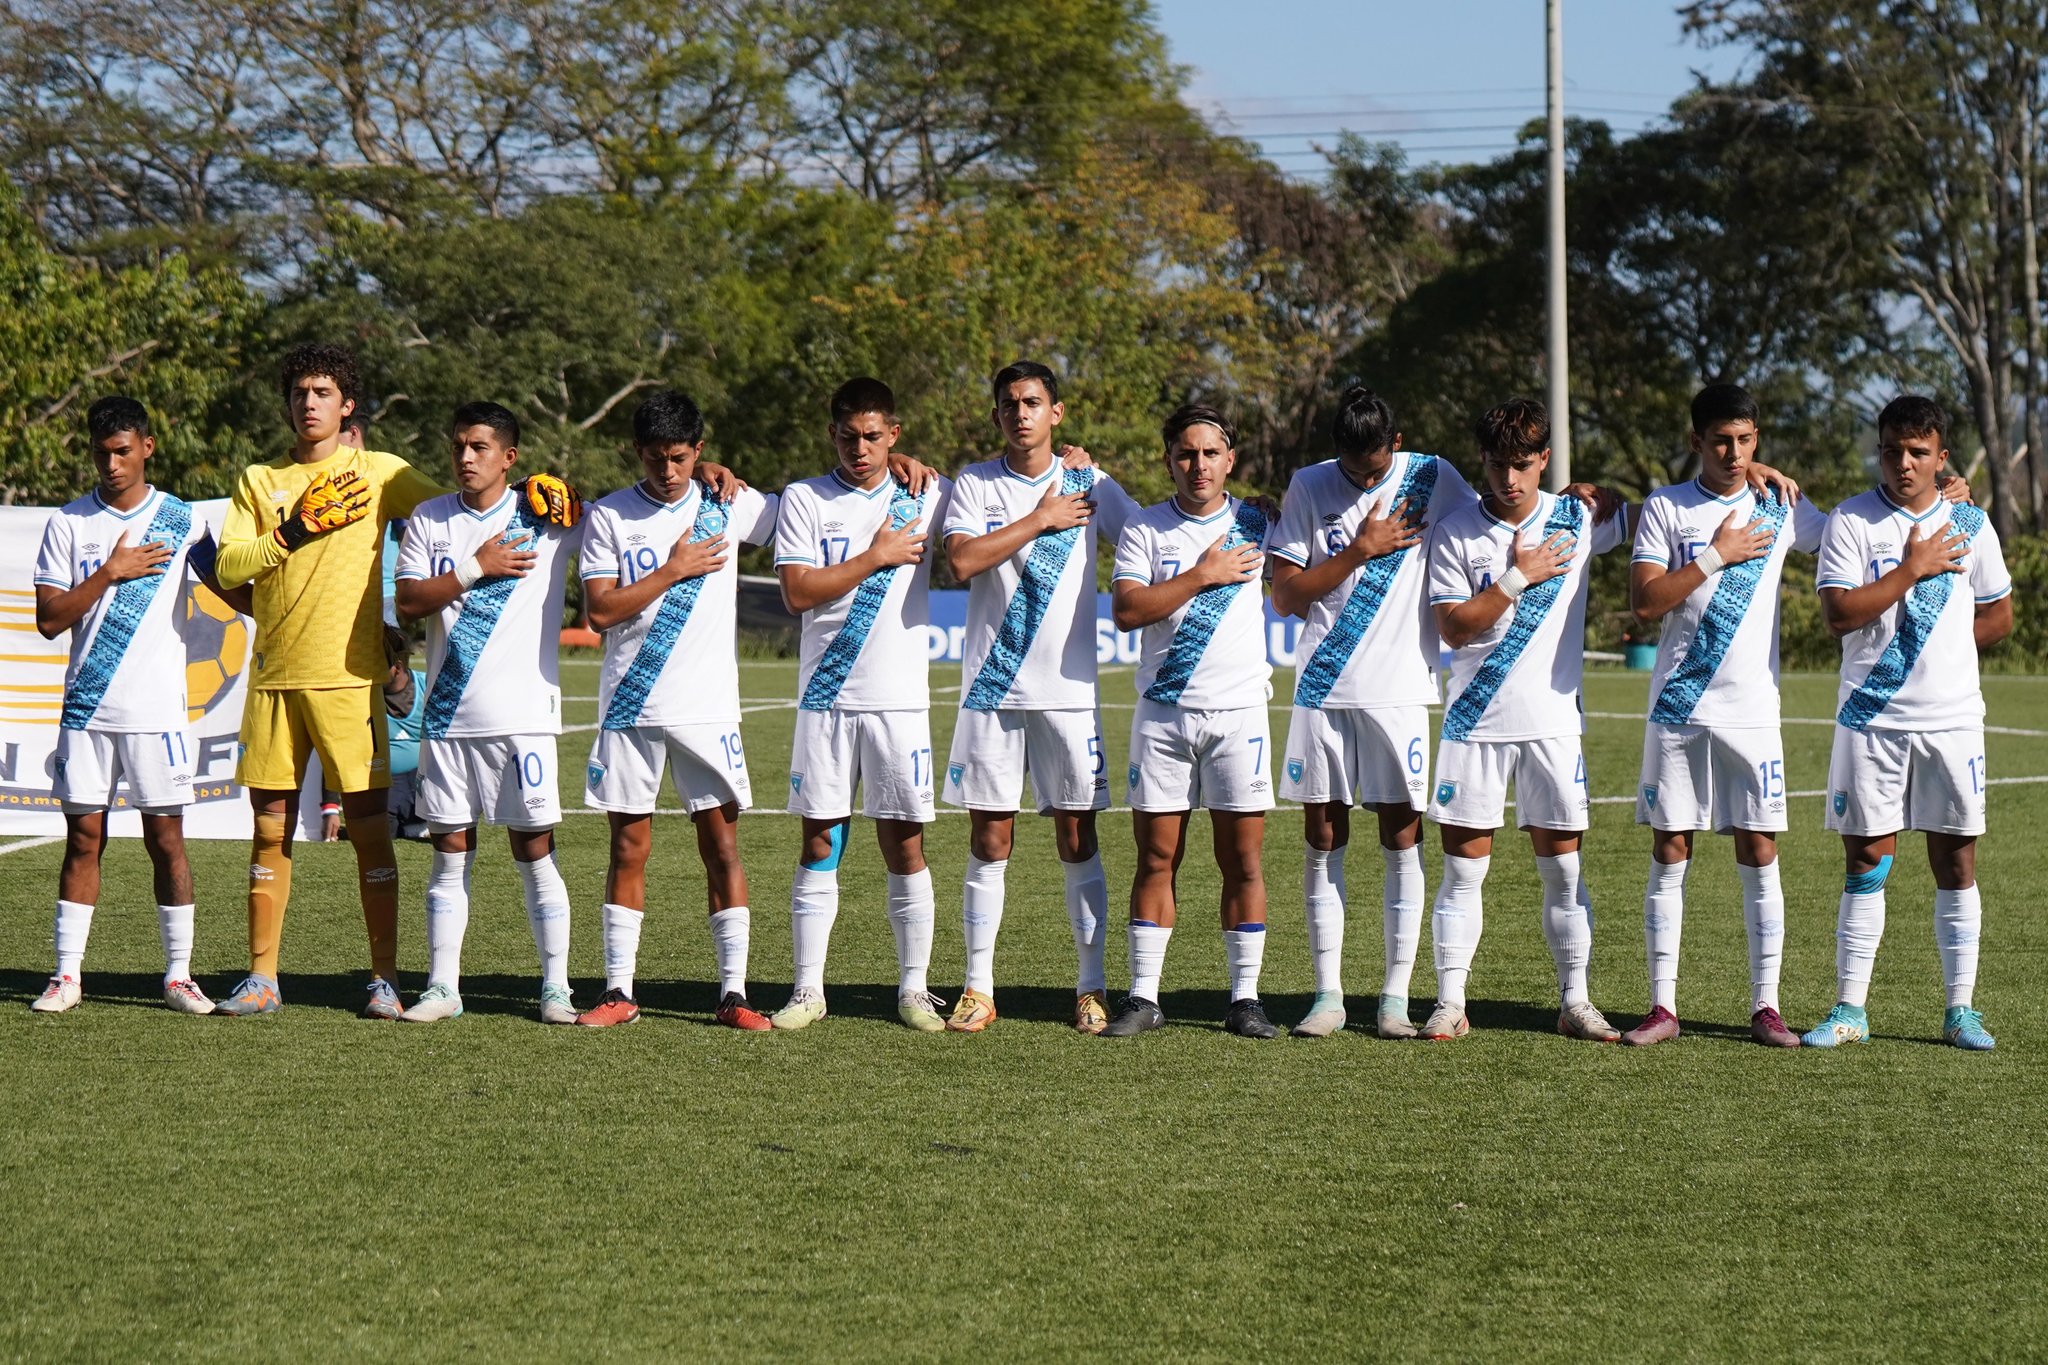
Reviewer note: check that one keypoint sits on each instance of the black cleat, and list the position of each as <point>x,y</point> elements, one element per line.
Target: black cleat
<point>1135,1016</point>
<point>1247,1019</point>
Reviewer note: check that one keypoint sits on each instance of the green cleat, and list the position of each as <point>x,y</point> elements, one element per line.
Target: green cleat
<point>805,1008</point>
<point>1844,1024</point>
<point>920,1010</point>
<point>1964,1028</point>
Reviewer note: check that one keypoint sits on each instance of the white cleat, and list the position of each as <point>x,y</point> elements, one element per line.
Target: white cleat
<point>186,998</point>
<point>805,1008</point>
<point>437,1002</point>
<point>1393,1021</point>
<point>60,995</point>
<point>1325,1016</point>
<point>1583,1022</point>
<point>555,1005</point>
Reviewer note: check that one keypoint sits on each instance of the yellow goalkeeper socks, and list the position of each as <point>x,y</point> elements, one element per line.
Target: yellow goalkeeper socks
<point>270,886</point>
<point>377,878</point>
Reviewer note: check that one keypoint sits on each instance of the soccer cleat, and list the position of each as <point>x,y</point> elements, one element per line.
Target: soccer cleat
<point>1445,1022</point>
<point>972,1013</point>
<point>805,1007</point>
<point>1964,1027</point>
<point>555,1005</point>
<point>920,1010</point>
<point>735,1012</point>
<point>1247,1019</point>
<point>186,998</point>
<point>1659,1026</point>
<point>437,1002</point>
<point>1767,1026</point>
<point>1844,1024</point>
<point>1136,1015</point>
<point>613,1007</point>
<point>1091,1012</point>
<point>384,1002</point>
<point>1587,1024</point>
<point>1325,1016</point>
<point>1393,1018</point>
<point>60,995</point>
<point>256,995</point>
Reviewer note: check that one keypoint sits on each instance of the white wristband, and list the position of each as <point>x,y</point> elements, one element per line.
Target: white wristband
<point>1710,561</point>
<point>1514,583</point>
<point>467,573</point>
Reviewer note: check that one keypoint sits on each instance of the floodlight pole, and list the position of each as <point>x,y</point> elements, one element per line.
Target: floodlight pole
<point>1560,472</point>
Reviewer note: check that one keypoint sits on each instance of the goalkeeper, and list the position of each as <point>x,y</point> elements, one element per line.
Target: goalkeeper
<point>306,530</point>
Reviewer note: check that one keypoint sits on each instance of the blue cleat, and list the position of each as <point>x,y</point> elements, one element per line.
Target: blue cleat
<point>384,1002</point>
<point>256,995</point>
<point>1844,1024</point>
<point>1964,1027</point>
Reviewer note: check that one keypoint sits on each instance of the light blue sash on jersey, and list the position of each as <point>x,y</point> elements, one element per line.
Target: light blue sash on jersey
<point>1326,665</point>
<point>836,663</point>
<point>1717,628</point>
<point>1463,716</point>
<point>482,605</point>
<point>1204,614</point>
<point>1027,606</point>
<point>680,599</point>
<point>171,523</point>
<point>1924,603</point>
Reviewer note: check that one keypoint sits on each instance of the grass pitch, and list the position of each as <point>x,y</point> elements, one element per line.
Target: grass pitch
<point>312,1186</point>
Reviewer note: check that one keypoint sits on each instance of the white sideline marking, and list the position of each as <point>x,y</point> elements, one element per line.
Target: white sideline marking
<point>19,844</point>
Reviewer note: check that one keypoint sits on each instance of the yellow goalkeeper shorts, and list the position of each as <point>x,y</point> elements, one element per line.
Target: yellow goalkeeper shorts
<point>344,725</point>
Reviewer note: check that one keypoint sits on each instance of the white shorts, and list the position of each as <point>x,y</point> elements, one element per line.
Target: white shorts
<point>708,765</point>
<point>1472,778</point>
<point>1062,750</point>
<point>508,780</point>
<point>90,764</point>
<point>887,754</point>
<point>1217,760</point>
<point>1359,757</point>
<point>1696,777</point>
<point>1884,781</point>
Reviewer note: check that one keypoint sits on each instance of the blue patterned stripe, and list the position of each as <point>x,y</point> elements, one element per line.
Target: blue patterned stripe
<point>680,599</point>
<point>1027,606</point>
<point>1718,626</point>
<point>1326,665</point>
<point>1204,614</point>
<point>1463,716</point>
<point>836,663</point>
<point>171,523</point>
<point>1924,603</point>
<point>482,605</point>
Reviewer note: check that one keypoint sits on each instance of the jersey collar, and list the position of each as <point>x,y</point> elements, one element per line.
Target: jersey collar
<point>1188,516</point>
<point>1008,472</point>
<point>690,494</point>
<point>1885,494</point>
<point>1534,512</point>
<point>149,500</point>
<point>874,492</point>
<point>1395,465</point>
<point>1734,497</point>
<point>488,512</point>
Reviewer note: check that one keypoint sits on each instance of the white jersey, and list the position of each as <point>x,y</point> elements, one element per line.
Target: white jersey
<point>1030,642</point>
<point>866,651</point>
<point>1370,641</point>
<point>1210,655</point>
<point>1518,679</point>
<point>676,662</point>
<point>127,671</point>
<point>491,653</point>
<point>1914,667</point>
<point>1717,660</point>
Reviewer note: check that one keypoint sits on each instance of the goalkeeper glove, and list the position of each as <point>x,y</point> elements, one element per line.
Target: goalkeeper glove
<point>332,502</point>
<point>552,499</point>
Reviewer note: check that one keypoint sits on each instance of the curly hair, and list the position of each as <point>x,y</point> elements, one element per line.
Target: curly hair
<point>1514,430</point>
<point>326,360</point>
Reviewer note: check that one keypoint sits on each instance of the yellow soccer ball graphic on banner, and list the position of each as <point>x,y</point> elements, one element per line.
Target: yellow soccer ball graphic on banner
<point>216,649</point>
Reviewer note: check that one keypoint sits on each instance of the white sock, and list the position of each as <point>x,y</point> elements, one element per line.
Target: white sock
<point>1455,925</point>
<point>621,946</point>
<point>447,917</point>
<point>912,909</point>
<point>1859,927</point>
<point>1958,919</point>
<point>1148,958</point>
<point>174,926</point>
<point>1087,910</point>
<point>1244,951</point>
<point>1663,921</point>
<point>547,912</point>
<point>981,916</point>
<point>1763,915</point>
<point>731,931</point>
<point>813,906</point>
<point>1322,891</point>
<point>74,922</point>
<point>1567,924</point>
<point>1401,914</point>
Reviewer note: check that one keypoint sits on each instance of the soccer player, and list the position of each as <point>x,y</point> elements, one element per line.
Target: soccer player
<point>110,570</point>
<point>1022,533</point>
<point>484,568</point>
<point>1507,582</point>
<point>1187,575</point>
<point>850,554</point>
<point>1915,587</point>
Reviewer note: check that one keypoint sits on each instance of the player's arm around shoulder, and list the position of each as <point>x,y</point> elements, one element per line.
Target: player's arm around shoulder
<point>401,486</point>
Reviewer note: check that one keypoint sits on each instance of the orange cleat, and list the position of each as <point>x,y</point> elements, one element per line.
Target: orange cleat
<point>734,1012</point>
<point>616,1007</point>
<point>972,1013</point>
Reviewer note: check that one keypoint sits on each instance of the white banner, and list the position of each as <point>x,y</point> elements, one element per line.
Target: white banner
<point>32,695</point>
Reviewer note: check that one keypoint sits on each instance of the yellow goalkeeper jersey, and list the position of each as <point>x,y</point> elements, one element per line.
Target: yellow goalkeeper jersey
<point>319,608</point>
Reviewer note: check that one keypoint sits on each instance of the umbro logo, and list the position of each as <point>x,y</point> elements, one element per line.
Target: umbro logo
<point>441,547</point>
<point>1332,518</point>
<point>994,509</point>
<point>835,526</point>
<point>636,539</point>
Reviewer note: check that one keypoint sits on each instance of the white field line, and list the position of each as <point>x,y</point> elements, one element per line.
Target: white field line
<point>18,845</point>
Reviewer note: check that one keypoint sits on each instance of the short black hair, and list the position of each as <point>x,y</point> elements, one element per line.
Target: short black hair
<point>484,413</point>
<point>1364,425</point>
<point>667,417</point>
<point>116,413</point>
<point>1912,414</point>
<point>861,395</point>
<point>1518,427</point>
<point>322,358</point>
<point>1718,403</point>
<point>1196,415</point>
<point>1027,369</point>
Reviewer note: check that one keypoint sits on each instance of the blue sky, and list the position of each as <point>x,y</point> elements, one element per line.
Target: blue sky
<point>1450,80</point>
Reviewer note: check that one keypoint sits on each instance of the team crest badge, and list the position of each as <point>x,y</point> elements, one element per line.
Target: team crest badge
<point>1445,791</point>
<point>796,782</point>
<point>1294,770</point>
<point>955,772</point>
<point>1132,776</point>
<point>1650,795</point>
<point>593,775</point>
<point>1841,802</point>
